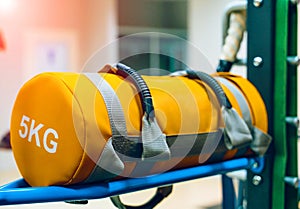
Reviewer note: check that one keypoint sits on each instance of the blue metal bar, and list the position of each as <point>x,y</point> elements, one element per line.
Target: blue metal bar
<point>19,193</point>
<point>15,184</point>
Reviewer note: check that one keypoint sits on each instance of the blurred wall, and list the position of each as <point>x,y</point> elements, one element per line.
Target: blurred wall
<point>92,23</point>
<point>205,31</point>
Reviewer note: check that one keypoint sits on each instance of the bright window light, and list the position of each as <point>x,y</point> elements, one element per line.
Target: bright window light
<point>7,6</point>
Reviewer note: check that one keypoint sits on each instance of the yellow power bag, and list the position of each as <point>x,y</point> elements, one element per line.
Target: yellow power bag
<point>69,128</point>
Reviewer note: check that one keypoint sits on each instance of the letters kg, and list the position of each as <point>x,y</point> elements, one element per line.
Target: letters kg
<point>31,130</point>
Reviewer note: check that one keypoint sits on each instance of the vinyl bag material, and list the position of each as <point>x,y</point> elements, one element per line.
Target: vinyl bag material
<point>69,128</point>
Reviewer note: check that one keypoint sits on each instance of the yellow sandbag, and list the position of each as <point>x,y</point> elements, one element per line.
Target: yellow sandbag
<point>61,127</point>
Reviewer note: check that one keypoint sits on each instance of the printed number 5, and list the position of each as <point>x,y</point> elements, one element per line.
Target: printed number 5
<point>25,126</point>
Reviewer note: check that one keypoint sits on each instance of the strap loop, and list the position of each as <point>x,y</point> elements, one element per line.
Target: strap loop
<point>155,147</point>
<point>261,140</point>
<point>109,164</point>
<point>213,84</point>
<point>236,131</point>
<point>139,83</point>
<point>161,193</point>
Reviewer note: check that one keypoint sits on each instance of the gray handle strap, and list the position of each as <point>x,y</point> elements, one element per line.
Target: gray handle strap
<point>112,103</point>
<point>109,164</point>
<point>243,104</point>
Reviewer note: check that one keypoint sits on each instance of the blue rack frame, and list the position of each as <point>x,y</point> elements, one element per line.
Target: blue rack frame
<point>19,192</point>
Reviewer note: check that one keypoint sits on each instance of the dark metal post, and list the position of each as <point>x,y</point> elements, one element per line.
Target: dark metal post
<point>229,197</point>
<point>260,65</point>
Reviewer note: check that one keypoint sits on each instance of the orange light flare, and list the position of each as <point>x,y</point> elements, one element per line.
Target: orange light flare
<point>2,42</point>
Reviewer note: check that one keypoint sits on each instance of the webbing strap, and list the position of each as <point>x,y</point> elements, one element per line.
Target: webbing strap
<point>109,164</point>
<point>154,143</point>
<point>236,131</point>
<point>180,145</point>
<point>155,147</point>
<point>112,102</point>
<point>261,140</point>
<point>240,99</point>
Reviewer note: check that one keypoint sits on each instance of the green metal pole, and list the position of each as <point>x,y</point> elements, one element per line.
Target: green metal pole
<point>291,192</point>
<point>280,90</point>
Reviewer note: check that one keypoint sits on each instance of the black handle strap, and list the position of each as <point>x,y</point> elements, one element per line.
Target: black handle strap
<point>155,147</point>
<point>213,84</point>
<point>237,133</point>
<point>141,86</point>
<point>161,193</point>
